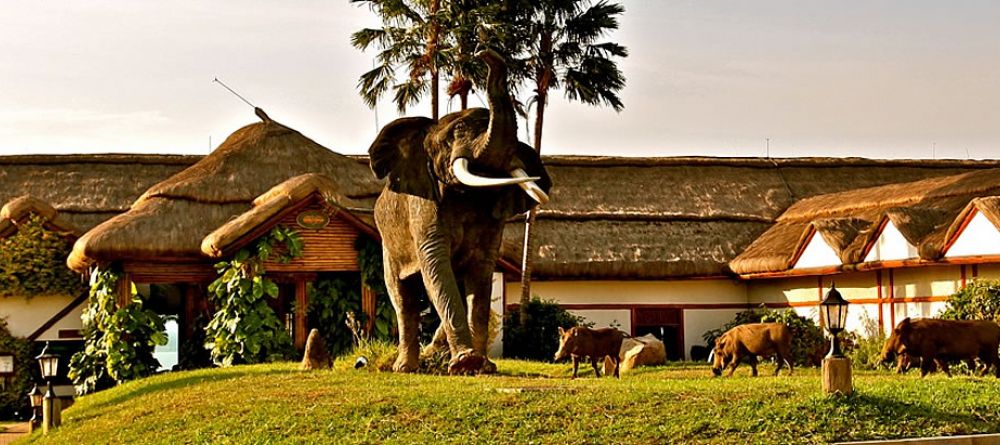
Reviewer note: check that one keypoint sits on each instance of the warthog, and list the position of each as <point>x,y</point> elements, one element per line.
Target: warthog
<point>749,341</point>
<point>593,343</point>
<point>936,341</point>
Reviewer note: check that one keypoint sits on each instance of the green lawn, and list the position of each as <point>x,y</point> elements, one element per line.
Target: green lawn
<point>528,402</point>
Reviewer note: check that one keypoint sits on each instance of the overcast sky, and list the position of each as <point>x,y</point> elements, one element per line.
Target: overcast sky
<point>820,78</point>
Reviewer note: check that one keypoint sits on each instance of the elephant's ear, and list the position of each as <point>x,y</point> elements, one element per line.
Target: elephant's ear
<point>513,199</point>
<point>398,154</point>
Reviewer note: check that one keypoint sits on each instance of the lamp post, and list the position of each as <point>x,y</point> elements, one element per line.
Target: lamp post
<point>50,405</point>
<point>836,367</point>
<point>35,395</point>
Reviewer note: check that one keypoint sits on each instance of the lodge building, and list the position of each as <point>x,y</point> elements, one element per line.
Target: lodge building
<point>670,246</point>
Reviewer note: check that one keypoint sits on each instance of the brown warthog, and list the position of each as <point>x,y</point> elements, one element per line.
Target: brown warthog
<point>593,343</point>
<point>749,341</point>
<point>937,341</point>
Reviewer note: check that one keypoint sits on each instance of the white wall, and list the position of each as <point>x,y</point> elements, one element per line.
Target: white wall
<point>495,349</point>
<point>25,315</point>
<point>980,237</point>
<point>603,318</point>
<point>817,254</point>
<point>891,245</point>
<point>634,292</point>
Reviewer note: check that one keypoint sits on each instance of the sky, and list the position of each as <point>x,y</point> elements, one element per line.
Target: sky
<point>879,79</point>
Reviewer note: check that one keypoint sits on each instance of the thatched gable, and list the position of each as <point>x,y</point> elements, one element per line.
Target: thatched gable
<point>655,218</point>
<point>170,220</point>
<point>271,204</point>
<point>924,211</point>
<point>22,207</point>
<point>86,189</point>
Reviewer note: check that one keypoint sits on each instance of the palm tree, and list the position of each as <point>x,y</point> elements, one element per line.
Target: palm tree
<point>426,38</point>
<point>560,49</point>
<point>410,38</point>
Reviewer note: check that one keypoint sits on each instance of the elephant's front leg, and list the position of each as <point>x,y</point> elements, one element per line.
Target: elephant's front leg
<point>408,317</point>
<point>433,252</point>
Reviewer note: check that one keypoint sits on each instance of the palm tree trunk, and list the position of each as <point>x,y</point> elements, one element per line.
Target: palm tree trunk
<point>528,256</point>
<point>434,93</point>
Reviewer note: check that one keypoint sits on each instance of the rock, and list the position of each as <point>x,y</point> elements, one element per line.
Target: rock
<point>316,355</point>
<point>638,351</point>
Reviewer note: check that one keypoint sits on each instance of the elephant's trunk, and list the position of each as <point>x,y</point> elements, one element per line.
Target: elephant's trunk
<point>496,147</point>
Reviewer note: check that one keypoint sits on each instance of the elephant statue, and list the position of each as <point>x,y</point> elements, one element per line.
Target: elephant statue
<point>451,185</point>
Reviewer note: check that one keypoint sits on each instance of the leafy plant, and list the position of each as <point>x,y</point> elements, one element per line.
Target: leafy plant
<point>331,298</point>
<point>538,339</point>
<point>865,347</point>
<point>978,300</point>
<point>118,341</point>
<point>33,262</point>
<point>244,329</point>
<point>807,337</point>
<point>13,395</point>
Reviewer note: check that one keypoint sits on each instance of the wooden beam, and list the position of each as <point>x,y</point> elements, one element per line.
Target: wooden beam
<point>123,290</point>
<point>368,305</point>
<point>301,305</point>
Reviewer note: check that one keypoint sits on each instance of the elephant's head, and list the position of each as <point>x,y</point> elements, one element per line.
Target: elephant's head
<point>470,148</point>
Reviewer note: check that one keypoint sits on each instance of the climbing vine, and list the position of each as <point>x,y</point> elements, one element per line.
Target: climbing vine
<point>12,399</point>
<point>244,328</point>
<point>118,341</point>
<point>33,262</point>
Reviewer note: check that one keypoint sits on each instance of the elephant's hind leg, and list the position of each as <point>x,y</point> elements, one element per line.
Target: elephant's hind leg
<point>408,315</point>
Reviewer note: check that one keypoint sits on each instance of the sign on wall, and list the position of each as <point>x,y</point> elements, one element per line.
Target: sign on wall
<point>313,219</point>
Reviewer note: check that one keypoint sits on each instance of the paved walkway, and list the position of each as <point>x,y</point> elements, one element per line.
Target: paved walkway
<point>13,432</point>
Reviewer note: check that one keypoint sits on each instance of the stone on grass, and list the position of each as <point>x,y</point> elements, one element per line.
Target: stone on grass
<point>316,355</point>
<point>638,351</point>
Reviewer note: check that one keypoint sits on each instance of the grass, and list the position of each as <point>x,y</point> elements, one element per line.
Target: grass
<point>527,403</point>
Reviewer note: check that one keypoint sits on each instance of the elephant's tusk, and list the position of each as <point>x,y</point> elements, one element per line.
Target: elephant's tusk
<point>460,167</point>
<point>531,188</point>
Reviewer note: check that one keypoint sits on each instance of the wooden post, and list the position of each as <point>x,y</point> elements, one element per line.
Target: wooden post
<point>301,305</point>
<point>368,306</point>
<point>837,376</point>
<point>123,289</point>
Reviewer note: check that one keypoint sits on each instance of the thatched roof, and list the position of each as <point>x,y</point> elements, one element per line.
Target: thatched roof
<point>924,211</point>
<point>22,207</point>
<point>655,218</point>
<point>85,189</point>
<point>171,219</point>
<point>271,203</point>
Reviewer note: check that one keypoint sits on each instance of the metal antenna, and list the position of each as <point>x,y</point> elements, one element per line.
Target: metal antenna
<point>216,80</point>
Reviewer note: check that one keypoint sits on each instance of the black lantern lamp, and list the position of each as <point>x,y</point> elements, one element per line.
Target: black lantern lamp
<point>50,367</point>
<point>48,362</point>
<point>35,395</point>
<point>833,309</point>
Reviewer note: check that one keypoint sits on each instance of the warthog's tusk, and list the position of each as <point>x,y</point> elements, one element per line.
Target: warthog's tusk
<point>460,167</point>
<point>531,188</point>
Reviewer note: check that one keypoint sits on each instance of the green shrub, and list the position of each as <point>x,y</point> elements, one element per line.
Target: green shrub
<point>865,347</point>
<point>808,345</point>
<point>118,341</point>
<point>539,338</point>
<point>978,300</point>
<point>14,395</point>
<point>331,298</point>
